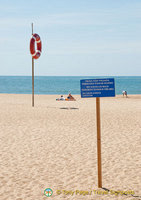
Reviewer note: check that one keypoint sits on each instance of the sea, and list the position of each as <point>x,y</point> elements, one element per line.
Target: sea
<point>63,84</point>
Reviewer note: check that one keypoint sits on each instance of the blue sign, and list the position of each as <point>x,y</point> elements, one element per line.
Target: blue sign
<point>97,88</point>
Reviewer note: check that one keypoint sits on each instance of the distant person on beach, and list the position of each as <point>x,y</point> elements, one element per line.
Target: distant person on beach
<point>70,98</point>
<point>124,93</point>
<point>61,99</point>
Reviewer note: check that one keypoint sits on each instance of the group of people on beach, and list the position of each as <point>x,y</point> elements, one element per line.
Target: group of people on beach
<point>69,98</point>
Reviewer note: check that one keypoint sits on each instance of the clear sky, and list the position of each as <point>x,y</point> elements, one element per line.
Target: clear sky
<point>79,37</point>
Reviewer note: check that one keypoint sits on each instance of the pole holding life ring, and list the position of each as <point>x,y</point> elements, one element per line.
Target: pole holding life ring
<point>35,53</point>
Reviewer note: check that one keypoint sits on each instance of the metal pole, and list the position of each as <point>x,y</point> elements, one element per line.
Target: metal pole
<point>98,142</point>
<point>32,75</point>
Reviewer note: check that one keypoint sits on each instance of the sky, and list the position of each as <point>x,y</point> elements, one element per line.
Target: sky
<point>79,37</point>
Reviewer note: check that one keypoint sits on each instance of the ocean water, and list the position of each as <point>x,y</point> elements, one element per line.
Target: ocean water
<point>62,84</point>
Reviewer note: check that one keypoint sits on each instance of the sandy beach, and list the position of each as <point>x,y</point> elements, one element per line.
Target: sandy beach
<point>54,145</point>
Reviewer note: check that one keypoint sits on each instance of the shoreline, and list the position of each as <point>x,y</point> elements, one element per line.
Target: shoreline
<point>64,94</point>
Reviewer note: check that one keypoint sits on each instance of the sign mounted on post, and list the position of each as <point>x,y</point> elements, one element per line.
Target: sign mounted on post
<point>97,88</point>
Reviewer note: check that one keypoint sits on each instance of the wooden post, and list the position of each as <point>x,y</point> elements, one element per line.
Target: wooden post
<point>32,75</point>
<point>98,142</point>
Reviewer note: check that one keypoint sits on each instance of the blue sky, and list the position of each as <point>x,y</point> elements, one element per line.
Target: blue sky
<point>79,37</point>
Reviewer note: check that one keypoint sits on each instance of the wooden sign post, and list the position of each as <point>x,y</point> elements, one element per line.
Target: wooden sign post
<point>98,88</point>
<point>32,75</point>
<point>98,142</point>
<point>35,53</point>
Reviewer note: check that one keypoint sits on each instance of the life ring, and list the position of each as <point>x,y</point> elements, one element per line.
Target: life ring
<point>35,53</point>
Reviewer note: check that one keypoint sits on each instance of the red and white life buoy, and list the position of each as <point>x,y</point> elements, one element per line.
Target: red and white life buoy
<point>35,53</point>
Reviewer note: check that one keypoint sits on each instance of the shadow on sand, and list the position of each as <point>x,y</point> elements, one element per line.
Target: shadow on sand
<point>108,190</point>
<point>67,108</point>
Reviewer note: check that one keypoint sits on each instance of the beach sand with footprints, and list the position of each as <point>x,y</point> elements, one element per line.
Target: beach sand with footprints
<point>54,145</point>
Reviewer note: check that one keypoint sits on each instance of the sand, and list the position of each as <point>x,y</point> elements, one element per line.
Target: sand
<point>54,145</point>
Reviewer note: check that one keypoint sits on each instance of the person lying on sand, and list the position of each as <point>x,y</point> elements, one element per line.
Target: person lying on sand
<point>61,99</point>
